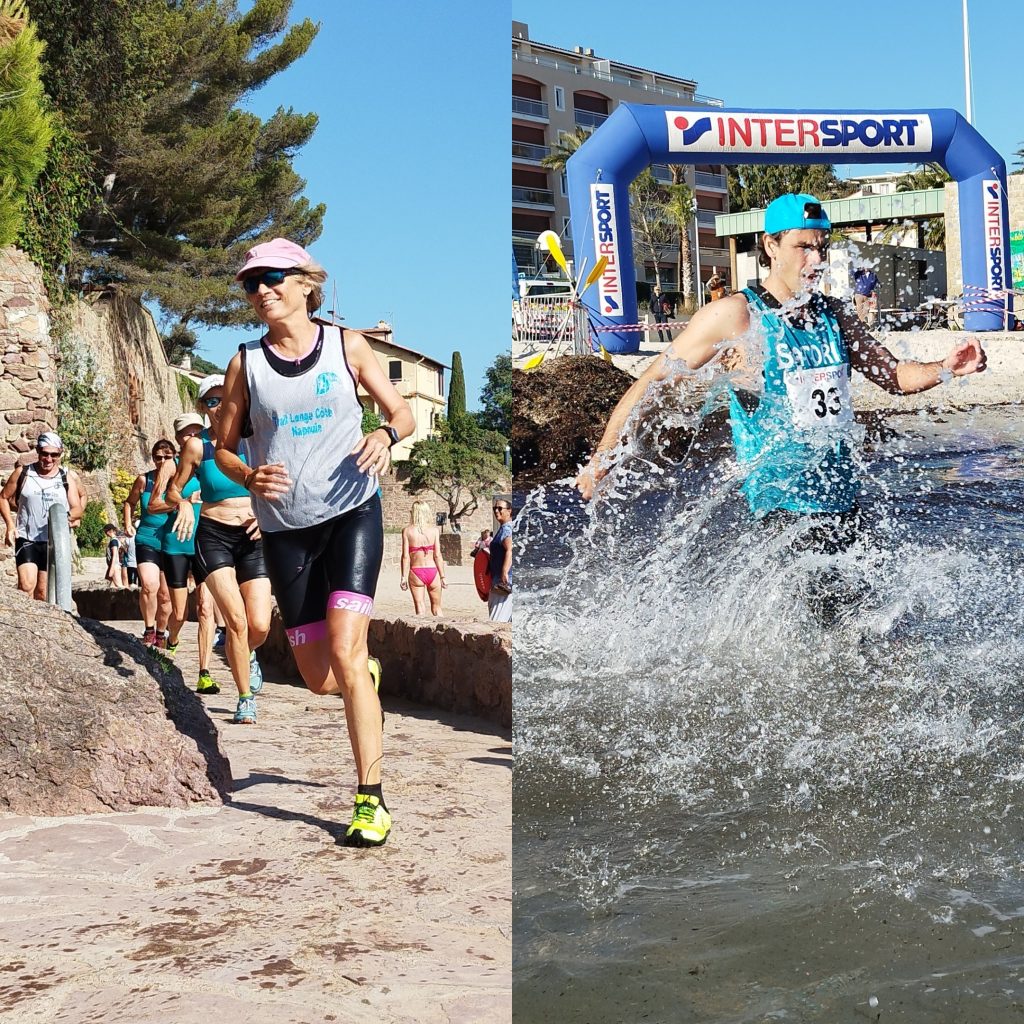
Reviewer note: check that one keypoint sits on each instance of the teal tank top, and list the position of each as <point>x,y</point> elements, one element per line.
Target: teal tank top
<point>795,446</point>
<point>171,544</point>
<point>215,485</point>
<point>151,524</point>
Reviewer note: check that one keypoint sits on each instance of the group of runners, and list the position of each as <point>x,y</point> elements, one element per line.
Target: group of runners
<point>270,487</point>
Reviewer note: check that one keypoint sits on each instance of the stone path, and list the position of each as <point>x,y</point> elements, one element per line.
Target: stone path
<point>251,912</point>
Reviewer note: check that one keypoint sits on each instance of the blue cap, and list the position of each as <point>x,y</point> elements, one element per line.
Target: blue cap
<point>794,212</point>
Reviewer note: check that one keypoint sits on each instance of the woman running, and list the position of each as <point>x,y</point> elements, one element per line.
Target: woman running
<point>178,559</point>
<point>313,477</point>
<point>422,564</point>
<point>228,552</point>
<point>154,597</point>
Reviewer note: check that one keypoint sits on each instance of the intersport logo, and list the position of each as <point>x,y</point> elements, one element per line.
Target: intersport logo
<point>797,133</point>
<point>995,254</point>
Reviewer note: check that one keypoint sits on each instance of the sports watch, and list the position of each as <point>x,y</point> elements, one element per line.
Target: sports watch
<point>391,432</point>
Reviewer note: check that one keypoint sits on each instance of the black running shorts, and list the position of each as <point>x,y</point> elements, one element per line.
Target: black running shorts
<point>305,566</point>
<point>144,553</point>
<point>176,568</point>
<point>220,544</point>
<point>30,552</point>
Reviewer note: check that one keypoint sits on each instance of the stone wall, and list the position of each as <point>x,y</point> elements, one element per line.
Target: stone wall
<point>28,386</point>
<point>122,337</point>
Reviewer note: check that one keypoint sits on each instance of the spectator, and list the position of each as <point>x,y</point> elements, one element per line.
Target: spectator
<point>658,301</point>
<point>865,293</point>
<point>484,542</point>
<point>128,560</point>
<point>499,604</point>
<point>113,556</point>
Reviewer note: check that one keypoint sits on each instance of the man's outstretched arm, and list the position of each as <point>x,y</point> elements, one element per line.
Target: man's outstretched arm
<point>698,344</point>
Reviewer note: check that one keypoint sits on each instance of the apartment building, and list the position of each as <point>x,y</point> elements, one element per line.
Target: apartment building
<point>556,91</point>
<point>419,379</point>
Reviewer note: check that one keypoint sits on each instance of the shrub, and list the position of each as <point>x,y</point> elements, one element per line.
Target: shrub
<point>90,530</point>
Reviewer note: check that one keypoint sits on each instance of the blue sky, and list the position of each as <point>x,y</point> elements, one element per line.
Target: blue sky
<point>870,54</point>
<point>412,158</point>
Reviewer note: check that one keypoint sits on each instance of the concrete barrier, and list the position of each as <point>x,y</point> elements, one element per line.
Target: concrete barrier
<point>463,666</point>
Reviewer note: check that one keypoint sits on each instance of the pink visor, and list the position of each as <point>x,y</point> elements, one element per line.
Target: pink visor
<point>277,254</point>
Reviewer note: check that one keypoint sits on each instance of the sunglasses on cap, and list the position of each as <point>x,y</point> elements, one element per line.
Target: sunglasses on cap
<point>813,211</point>
<point>271,278</point>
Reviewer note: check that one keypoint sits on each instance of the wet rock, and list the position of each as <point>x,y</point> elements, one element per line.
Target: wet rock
<point>559,412</point>
<point>89,722</point>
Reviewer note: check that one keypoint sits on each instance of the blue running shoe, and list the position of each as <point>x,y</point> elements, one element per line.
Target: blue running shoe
<point>245,713</point>
<point>218,639</point>
<point>255,674</point>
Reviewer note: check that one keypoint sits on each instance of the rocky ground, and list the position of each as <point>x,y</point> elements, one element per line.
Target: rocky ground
<point>252,911</point>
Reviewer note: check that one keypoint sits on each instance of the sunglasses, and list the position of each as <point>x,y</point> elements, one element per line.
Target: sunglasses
<point>813,211</point>
<point>48,455</point>
<point>499,508</point>
<point>162,458</point>
<point>271,278</point>
<point>212,403</point>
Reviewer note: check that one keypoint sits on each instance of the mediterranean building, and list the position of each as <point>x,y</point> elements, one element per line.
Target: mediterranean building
<point>556,91</point>
<point>418,378</point>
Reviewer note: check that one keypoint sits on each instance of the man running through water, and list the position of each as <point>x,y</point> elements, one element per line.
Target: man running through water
<point>794,446</point>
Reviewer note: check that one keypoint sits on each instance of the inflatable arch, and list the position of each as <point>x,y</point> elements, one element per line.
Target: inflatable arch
<point>637,135</point>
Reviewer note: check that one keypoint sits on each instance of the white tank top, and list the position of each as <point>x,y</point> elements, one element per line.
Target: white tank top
<point>309,420</point>
<point>37,495</point>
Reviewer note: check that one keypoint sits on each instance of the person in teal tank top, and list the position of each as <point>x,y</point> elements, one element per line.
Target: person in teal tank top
<point>154,597</point>
<point>228,551</point>
<point>178,553</point>
<point>792,434</point>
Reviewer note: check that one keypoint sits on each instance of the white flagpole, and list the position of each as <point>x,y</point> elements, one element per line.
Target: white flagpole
<point>967,67</point>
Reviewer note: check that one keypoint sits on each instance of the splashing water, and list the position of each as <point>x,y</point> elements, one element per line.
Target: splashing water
<point>692,744</point>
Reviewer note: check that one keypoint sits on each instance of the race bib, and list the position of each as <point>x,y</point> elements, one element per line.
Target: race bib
<point>820,398</point>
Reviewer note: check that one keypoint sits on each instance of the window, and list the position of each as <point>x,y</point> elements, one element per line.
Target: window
<point>566,232</point>
<point>440,383</point>
<point>564,183</point>
<point>394,370</point>
<point>559,98</point>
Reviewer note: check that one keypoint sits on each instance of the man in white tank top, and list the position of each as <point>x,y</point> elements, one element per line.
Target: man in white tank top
<point>34,489</point>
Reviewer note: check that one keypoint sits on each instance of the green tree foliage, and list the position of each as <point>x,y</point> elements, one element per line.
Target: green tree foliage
<point>188,181</point>
<point>754,186</point>
<point>90,531</point>
<point>653,232</point>
<point>179,341</point>
<point>460,463</point>
<point>496,397</point>
<point>204,366</point>
<point>457,389</point>
<point>25,122</point>
<point>679,205</point>
<point>60,197</point>
<point>83,408</point>
<point>371,421</point>
<point>930,175</point>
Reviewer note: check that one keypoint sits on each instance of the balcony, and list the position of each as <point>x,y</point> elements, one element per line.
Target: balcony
<point>714,257</point>
<point>661,173</point>
<point>589,119</point>
<point>706,218</point>
<point>533,196</point>
<point>588,71</point>
<point>706,180</point>
<point>529,108</point>
<point>529,152</point>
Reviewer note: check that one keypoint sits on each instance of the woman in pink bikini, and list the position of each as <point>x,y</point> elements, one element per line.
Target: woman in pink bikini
<point>422,564</point>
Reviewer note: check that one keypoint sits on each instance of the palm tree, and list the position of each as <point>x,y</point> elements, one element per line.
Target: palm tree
<point>567,144</point>
<point>679,208</point>
<point>652,230</point>
<point>927,176</point>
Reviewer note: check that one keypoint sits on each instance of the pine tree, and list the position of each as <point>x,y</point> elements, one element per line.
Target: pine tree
<point>189,181</point>
<point>25,123</point>
<point>457,389</point>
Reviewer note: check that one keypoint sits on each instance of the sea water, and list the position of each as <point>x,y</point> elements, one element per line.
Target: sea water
<point>726,810</point>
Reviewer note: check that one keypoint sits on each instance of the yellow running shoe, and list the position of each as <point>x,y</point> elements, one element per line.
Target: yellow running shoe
<point>371,823</point>
<point>373,664</point>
